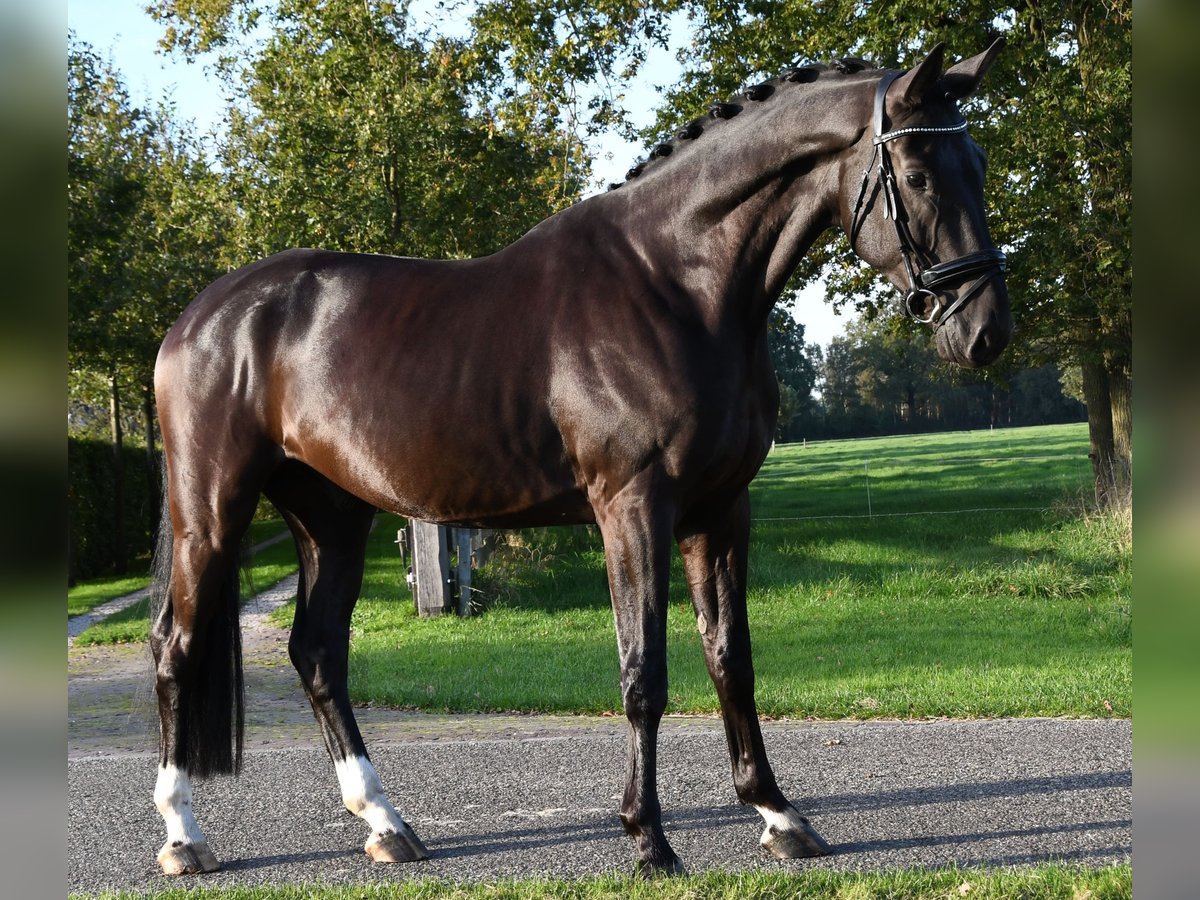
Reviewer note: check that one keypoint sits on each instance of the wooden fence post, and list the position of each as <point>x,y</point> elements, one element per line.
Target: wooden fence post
<point>462,541</point>
<point>431,567</point>
<point>483,541</point>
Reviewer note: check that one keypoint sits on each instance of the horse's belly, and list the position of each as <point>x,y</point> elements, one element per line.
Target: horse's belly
<point>454,470</point>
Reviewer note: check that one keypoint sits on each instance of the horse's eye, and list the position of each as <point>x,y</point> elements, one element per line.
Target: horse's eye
<point>916,180</point>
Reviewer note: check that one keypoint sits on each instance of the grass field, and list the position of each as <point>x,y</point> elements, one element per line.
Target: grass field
<point>1050,882</point>
<point>918,611</point>
<point>87,595</point>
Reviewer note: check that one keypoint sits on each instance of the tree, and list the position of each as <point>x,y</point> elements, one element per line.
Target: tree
<point>144,227</point>
<point>556,67</point>
<point>1038,398</point>
<point>106,145</point>
<point>354,132</point>
<point>796,368</point>
<point>882,377</point>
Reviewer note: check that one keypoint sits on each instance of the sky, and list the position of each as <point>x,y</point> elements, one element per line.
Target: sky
<point>121,31</point>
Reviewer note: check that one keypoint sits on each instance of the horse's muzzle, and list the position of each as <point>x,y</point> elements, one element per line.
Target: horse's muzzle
<point>978,339</point>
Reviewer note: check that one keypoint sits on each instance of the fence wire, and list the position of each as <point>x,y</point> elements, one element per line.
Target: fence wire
<point>798,471</point>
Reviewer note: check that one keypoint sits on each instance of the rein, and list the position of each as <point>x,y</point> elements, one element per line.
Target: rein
<point>986,264</point>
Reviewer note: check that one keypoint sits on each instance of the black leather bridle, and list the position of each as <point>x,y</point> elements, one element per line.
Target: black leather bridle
<point>986,264</point>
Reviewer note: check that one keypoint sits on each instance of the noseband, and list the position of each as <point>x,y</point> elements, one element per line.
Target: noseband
<point>986,264</point>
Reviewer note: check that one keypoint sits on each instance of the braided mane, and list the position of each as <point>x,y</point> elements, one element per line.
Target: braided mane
<point>736,103</point>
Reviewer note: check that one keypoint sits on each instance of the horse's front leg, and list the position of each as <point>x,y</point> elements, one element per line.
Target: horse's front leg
<point>637,548</point>
<point>714,558</point>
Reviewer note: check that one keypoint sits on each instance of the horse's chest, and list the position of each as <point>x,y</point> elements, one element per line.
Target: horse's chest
<point>732,440</point>
<point>701,410</point>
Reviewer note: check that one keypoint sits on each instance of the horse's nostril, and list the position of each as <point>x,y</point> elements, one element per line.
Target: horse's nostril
<point>986,344</point>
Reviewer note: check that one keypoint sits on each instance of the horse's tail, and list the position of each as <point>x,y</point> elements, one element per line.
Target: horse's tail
<point>211,687</point>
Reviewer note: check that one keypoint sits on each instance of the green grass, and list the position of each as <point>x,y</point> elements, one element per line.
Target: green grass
<point>999,613</point>
<point>978,588</point>
<point>133,623</point>
<point>87,595</point>
<point>262,529</point>
<point>1048,881</point>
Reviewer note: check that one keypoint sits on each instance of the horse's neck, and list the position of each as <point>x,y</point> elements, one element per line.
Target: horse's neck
<point>734,216</point>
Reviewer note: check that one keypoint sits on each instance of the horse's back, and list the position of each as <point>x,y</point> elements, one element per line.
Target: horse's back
<point>397,378</point>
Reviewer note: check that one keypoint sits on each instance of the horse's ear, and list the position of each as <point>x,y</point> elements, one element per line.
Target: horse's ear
<point>961,79</point>
<point>913,86</point>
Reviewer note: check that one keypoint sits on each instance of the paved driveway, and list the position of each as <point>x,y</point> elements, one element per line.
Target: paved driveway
<point>503,796</point>
<point>496,796</point>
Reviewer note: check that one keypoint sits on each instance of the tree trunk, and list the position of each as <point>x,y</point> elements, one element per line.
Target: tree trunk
<point>120,561</point>
<point>1120,389</point>
<point>152,479</point>
<point>1100,431</point>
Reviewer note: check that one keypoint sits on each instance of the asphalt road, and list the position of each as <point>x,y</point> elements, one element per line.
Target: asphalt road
<point>538,796</point>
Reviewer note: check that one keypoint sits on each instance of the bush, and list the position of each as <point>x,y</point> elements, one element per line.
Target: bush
<point>92,546</point>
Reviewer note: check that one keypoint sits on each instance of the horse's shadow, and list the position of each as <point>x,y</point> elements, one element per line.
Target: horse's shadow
<point>250,863</point>
<point>602,827</point>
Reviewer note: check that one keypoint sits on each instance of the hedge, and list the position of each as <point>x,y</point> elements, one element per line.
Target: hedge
<point>92,545</point>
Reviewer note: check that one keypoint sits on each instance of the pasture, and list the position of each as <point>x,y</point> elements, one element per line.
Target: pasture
<point>1018,606</point>
<point>970,583</point>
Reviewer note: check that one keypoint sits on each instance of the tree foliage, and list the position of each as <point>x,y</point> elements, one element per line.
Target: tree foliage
<point>559,67</point>
<point>145,222</point>
<point>356,131</point>
<point>144,232</point>
<point>359,135</point>
<point>107,143</point>
<point>796,369</point>
<point>880,379</point>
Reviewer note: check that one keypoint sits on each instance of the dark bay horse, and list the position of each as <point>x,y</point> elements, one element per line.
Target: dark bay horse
<point>610,366</point>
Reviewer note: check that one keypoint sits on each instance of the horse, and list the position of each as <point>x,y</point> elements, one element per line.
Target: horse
<point>608,367</point>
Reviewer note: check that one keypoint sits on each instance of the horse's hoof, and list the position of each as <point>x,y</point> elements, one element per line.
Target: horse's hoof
<point>396,847</point>
<point>800,841</point>
<point>648,871</point>
<point>187,859</point>
<point>659,865</point>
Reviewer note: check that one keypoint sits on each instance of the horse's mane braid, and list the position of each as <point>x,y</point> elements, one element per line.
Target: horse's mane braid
<point>800,73</point>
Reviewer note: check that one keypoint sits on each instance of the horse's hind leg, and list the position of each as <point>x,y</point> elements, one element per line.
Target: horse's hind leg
<point>331,528</point>
<point>196,643</point>
<point>715,562</point>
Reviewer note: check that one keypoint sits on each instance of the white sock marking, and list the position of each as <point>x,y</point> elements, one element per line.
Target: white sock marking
<point>785,820</point>
<point>173,797</point>
<point>362,792</point>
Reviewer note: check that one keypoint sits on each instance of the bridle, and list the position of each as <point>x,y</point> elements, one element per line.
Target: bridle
<point>986,264</point>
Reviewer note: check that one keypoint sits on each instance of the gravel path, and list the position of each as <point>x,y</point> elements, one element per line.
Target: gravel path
<point>885,795</point>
